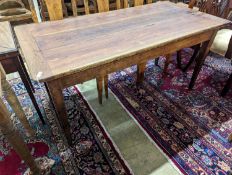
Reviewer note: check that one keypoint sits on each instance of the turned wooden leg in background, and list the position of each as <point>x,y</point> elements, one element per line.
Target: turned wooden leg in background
<point>55,90</point>
<point>106,85</point>
<point>99,88</point>
<point>14,103</point>
<point>140,72</point>
<point>15,139</point>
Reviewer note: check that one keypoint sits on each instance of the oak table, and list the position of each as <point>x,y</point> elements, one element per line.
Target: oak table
<point>70,51</point>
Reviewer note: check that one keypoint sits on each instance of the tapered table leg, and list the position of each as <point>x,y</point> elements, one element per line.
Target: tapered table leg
<point>99,88</point>
<point>55,90</point>
<point>106,85</point>
<point>140,72</point>
<point>204,50</point>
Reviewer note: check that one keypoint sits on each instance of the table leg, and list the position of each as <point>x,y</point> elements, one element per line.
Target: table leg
<point>106,85</point>
<point>204,50</point>
<point>49,95</point>
<point>14,103</point>
<point>15,139</point>
<point>55,90</point>
<point>140,72</point>
<point>99,88</point>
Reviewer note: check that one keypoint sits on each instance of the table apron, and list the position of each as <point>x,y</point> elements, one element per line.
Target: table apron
<point>139,58</point>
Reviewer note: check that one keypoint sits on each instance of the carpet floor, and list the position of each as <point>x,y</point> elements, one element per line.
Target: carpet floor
<point>190,126</point>
<point>93,151</point>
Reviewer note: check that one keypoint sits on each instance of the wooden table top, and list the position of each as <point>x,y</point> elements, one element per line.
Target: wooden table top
<point>7,44</point>
<point>59,48</point>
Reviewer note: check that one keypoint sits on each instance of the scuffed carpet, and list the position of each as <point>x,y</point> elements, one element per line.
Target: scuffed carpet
<point>93,152</point>
<point>191,127</point>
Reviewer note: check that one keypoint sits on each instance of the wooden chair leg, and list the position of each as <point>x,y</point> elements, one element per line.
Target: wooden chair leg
<point>204,50</point>
<point>14,103</point>
<point>99,88</point>
<point>178,58</point>
<point>65,10</point>
<point>106,86</point>
<point>42,10</point>
<point>29,89</point>
<point>193,58</point>
<point>229,50</point>
<point>140,72</point>
<point>227,86</point>
<point>20,60</point>
<point>15,139</point>
<point>167,62</point>
<point>157,61</point>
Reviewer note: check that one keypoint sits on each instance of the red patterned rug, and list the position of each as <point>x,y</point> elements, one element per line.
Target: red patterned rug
<point>93,152</point>
<point>190,126</point>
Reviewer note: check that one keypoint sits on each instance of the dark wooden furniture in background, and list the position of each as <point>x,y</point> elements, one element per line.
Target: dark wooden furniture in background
<point>221,9</point>
<point>7,127</point>
<point>85,7</point>
<point>15,11</point>
<point>108,42</point>
<point>217,8</point>
<point>12,61</point>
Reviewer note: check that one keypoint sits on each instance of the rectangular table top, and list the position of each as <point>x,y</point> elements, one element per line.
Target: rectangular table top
<point>59,48</point>
<point>7,44</point>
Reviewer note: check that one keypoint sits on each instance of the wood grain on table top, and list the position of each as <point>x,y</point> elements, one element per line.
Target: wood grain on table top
<point>7,44</point>
<point>59,48</point>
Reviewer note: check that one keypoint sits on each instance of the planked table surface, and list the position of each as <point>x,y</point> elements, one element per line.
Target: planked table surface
<point>59,48</point>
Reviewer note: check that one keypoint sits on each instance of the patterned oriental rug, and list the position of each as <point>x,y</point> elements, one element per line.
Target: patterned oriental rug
<point>190,127</point>
<point>93,152</point>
